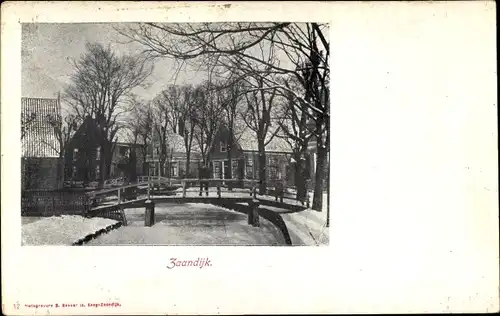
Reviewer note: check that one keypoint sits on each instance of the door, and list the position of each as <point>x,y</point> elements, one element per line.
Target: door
<point>225,170</point>
<point>218,170</point>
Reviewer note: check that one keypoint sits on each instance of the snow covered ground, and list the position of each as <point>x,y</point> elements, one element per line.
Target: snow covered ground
<point>191,224</point>
<point>60,230</point>
<point>308,227</point>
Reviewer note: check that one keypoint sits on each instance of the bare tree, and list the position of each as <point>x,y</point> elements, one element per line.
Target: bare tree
<point>296,49</point>
<point>100,85</point>
<point>141,124</point>
<point>260,105</point>
<point>159,137</point>
<point>64,129</point>
<point>297,133</point>
<point>208,115</point>
<point>230,97</point>
<point>178,102</point>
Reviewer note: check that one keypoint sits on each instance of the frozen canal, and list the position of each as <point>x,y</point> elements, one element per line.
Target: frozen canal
<point>191,224</point>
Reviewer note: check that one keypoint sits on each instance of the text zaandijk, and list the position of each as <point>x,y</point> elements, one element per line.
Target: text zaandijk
<point>200,262</point>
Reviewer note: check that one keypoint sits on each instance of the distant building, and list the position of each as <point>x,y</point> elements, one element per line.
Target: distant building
<point>176,158</point>
<point>83,155</point>
<point>245,157</point>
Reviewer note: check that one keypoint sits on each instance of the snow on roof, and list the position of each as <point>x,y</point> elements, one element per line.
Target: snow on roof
<point>246,138</point>
<point>248,141</point>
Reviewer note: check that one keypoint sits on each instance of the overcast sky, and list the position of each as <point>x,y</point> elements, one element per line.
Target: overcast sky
<point>47,50</point>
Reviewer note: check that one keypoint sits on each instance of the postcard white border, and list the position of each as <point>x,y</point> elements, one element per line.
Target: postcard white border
<point>414,223</point>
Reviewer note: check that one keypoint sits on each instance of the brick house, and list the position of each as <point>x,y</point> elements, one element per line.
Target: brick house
<point>245,157</point>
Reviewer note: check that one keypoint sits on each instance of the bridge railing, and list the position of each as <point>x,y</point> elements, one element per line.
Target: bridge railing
<point>274,188</point>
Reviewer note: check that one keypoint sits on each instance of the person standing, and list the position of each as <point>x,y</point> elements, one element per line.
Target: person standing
<point>204,173</point>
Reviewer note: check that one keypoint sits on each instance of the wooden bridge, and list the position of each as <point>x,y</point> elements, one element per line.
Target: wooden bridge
<point>236,194</point>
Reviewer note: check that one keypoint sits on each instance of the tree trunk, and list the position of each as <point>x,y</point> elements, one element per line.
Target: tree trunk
<point>262,166</point>
<point>60,172</point>
<point>319,177</point>
<point>328,201</point>
<point>105,162</point>
<point>300,180</point>
<point>188,163</point>
<point>161,166</point>
<point>229,173</point>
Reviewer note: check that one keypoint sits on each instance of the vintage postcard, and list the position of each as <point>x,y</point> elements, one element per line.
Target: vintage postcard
<point>247,157</point>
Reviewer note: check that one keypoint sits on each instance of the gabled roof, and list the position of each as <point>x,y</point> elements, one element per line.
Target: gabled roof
<point>40,139</point>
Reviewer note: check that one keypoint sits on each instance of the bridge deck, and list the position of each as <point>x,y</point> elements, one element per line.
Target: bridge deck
<point>294,206</point>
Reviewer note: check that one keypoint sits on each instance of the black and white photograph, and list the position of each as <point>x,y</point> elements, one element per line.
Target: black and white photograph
<point>348,148</point>
<point>175,134</point>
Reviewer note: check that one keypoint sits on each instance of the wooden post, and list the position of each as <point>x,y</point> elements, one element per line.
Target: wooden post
<point>218,191</point>
<point>149,189</point>
<point>253,213</point>
<point>183,188</point>
<point>307,199</point>
<point>254,189</point>
<point>281,195</point>
<point>149,219</point>
<point>119,197</point>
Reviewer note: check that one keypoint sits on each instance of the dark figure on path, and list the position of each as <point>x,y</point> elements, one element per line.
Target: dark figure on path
<point>204,173</point>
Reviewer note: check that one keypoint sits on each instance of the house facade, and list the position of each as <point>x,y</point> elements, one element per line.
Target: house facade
<point>245,157</point>
<point>175,164</point>
<point>83,155</point>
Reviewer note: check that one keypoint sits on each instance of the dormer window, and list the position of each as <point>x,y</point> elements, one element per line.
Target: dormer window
<point>223,147</point>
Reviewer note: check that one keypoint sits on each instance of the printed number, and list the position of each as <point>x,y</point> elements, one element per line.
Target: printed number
<point>16,306</point>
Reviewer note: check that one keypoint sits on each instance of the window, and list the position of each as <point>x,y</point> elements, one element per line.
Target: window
<point>123,151</point>
<point>274,170</point>
<point>75,172</point>
<point>174,170</point>
<point>249,168</point>
<point>75,153</point>
<point>223,147</point>
<point>98,153</point>
<point>273,173</point>
<point>217,170</point>
<point>234,169</point>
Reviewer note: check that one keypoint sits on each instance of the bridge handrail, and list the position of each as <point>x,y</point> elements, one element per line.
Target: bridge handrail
<point>182,182</point>
<point>279,190</point>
